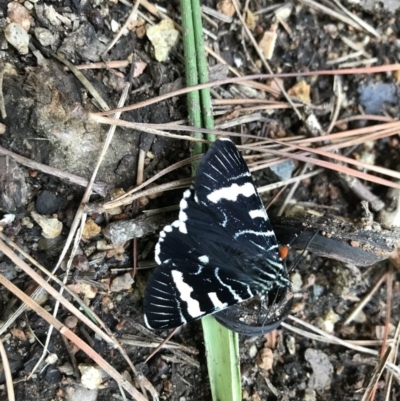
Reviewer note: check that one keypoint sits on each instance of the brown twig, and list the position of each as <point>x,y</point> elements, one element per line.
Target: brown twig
<point>72,357</point>
<point>371,388</point>
<point>161,344</point>
<point>99,187</point>
<point>3,112</point>
<point>183,91</point>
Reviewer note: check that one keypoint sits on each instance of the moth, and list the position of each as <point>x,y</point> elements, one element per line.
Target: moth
<point>222,249</point>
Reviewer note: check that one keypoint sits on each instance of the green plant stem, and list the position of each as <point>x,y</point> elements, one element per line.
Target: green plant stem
<point>202,67</point>
<point>222,345</point>
<point>192,78</point>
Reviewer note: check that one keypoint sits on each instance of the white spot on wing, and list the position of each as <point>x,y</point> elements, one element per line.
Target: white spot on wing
<point>216,302</point>
<point>258,233</point>
<point>193,306</point>
<point>157,253</point>
<point>258,213</point>
<point>231,193</point>
<point>182,215</point>
<point>204,259</point>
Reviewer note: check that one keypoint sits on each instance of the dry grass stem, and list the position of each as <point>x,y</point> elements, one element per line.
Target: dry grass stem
<point>371,388</point>
<point>74,338</point>
<point>183,91</point>
<point>365,299</point>
<point>293,180</point>
<point>264,61</point>
<point>132,16</point>
<point>7,373</point>
<point>326,338</point>
<point>99,187</point>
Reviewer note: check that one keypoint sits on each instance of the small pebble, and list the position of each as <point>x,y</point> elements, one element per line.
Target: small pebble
<point>91,229</point>
<point>66,369</point>
<point>163,37</point>
<point>51,358</point>
<point>71,322</point>
<point>81,263</point>
<point>91,376</point>
<point>297,282</point>
<point>28,5</point>
<point>19,14</point>
<point>51,227</point>
<point>107,304</point>
<point>360,317</point>
<point>17,37</point>
<point>291,345</point>
<point>44,36</point>
<point>114,25</point>
<point>48,203</point>
<point>79,393</point>
<point>27,222</point>
<point>322,369</point>
<point>329,320</point>
<point>252,351</point>
<point>318,290</point>
<point>122,283</point>
<point>309,395</point>
<point>284,170</point>
<point>53,375</point>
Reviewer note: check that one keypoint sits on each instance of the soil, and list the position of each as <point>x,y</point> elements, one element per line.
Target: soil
<point>44,102</point>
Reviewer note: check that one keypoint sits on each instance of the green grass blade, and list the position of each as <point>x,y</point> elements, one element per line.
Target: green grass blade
<point>222,348</point>
<point>222,345</point>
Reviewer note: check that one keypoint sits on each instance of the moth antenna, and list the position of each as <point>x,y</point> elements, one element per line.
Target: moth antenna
<point>303,252</point>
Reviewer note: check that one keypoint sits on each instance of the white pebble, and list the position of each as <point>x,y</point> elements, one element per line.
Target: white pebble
<point>17,37</point>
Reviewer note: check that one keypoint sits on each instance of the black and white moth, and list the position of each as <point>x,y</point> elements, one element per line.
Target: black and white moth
<point>222,249</point>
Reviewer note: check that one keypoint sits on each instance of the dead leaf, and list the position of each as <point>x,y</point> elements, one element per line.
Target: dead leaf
<point>117,252</point>
<point>107,304</point>
<point>265,359</point>
<point>301,91</point>
<point>18,333</point>
<point>267,43</point>
<point>271,339</point>
<point>84,289</point>
<point>226,7</point>
<point>251,20</point>
<point>396,76</point>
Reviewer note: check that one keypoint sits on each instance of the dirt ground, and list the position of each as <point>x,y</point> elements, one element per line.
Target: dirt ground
<point>45,122</point>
